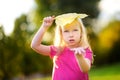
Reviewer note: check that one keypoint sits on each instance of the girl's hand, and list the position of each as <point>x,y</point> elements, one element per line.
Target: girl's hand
<point>79,50</point>
<point>47,21</point>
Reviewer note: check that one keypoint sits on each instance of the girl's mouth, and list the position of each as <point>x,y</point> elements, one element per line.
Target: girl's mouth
<point>71,40</point>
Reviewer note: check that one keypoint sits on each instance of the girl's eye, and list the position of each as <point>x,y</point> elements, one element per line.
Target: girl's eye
<point>66,31</point>
<point>75,30</point>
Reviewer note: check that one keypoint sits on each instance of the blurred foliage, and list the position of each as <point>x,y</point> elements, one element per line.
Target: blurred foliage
<point>63,6</point>
<point>108,44</point>
<point>16,56</point>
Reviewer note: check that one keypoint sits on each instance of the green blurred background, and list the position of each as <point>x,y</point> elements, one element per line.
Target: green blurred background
<point>19,62</point>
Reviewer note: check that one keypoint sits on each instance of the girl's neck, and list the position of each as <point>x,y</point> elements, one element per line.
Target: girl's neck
<point>75,46</point>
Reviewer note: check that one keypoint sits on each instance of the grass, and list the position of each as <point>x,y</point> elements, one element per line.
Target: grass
<point>46,78</point>
<point>108,72</point>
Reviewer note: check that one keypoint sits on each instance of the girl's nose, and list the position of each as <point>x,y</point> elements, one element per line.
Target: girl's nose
<point>71,34</point>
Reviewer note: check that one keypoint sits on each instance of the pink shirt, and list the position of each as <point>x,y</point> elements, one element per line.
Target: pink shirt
<point>66,66</point>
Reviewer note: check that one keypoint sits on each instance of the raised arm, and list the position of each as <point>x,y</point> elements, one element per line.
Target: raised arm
<point>36,42</point>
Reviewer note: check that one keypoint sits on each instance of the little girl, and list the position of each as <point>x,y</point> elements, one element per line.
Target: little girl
<point>71,52</point>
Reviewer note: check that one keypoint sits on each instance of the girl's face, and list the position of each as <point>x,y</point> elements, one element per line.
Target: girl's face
<point>71,34</point>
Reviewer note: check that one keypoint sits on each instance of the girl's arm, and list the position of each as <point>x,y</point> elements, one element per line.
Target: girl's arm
<point>36,42</point>
<point>84,63</point>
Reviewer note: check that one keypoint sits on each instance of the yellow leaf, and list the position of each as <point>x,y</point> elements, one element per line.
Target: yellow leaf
<point>64,19</point>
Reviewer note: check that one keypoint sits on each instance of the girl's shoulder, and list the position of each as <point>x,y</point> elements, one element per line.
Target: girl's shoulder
<point>56,50</point>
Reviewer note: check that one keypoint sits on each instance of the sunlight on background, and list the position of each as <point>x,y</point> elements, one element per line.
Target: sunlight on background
<point>110,6</point>
<point>109,9</point>
<point>10,10</point>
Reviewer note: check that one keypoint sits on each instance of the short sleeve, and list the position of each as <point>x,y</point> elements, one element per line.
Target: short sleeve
<point>53,51</point>
<point>89,54</point>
